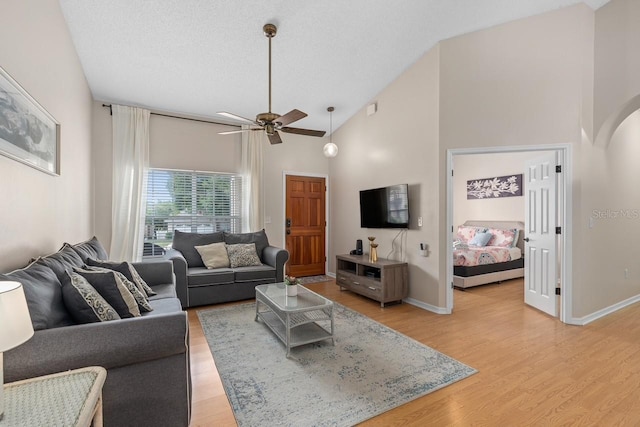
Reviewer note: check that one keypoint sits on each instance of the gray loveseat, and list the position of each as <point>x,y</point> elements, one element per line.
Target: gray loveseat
<point>198,285</point>
<point>147,358</point>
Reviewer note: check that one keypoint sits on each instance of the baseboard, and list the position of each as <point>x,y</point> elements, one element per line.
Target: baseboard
<point>581,321</point>
<point>425,306</point>
<point>331,274</point>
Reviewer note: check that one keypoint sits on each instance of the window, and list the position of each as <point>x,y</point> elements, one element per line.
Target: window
<point>197,202</point>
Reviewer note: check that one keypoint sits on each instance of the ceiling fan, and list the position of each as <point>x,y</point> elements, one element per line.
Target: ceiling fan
<point>270,122</point>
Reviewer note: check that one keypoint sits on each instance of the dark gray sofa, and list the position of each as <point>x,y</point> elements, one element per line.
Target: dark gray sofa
<point>147,358</point>
<point>197,285</point>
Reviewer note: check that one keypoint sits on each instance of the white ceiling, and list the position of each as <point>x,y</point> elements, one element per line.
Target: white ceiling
<point>198,57</point>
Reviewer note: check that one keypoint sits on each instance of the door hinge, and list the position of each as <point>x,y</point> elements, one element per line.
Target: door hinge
<point>558,291</point>
<point>558,230</point>
<point>451,285</point>
<point>451,172</point>
<point>558,168</point>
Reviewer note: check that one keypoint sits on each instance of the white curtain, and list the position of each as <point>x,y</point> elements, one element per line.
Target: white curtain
<point>253,201</point>
<point>130,161</point>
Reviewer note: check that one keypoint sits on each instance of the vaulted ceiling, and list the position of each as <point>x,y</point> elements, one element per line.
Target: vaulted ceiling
<point>198,57</point>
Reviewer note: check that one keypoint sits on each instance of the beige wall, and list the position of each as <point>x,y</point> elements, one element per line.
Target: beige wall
<point>39,212</point>
<point>191,145</point>
<point>617,62</point>
<point>473,166</point>
<point>523,83</point>
<point>396,145</point>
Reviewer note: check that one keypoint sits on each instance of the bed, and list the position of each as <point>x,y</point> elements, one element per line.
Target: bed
<point>500,258</point>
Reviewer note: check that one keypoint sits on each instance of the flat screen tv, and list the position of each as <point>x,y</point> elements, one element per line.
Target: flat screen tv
<point>386,207</point>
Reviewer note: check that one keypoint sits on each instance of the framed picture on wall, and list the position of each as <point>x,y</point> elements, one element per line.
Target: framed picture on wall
<point>28,133</point>
<point>496,187</point>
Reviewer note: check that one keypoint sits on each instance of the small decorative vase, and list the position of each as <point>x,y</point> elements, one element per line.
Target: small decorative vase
<point>292,290</point>
<point>373,253</point>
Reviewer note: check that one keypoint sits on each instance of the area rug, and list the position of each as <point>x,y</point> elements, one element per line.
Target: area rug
<point>315,279</point>
<point>370,370</point>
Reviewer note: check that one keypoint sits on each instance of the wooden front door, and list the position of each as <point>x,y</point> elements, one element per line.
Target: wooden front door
<point>305,225</point>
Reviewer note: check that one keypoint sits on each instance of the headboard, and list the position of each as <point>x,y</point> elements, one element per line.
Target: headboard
<point>501,224</point>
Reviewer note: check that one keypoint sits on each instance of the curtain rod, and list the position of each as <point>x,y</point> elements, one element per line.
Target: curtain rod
<point>178,117</point>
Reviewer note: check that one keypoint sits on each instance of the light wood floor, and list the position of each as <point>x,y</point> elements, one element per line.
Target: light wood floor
<point>533,369</point>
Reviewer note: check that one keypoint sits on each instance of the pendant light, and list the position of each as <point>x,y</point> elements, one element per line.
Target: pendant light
<point>330,149</point>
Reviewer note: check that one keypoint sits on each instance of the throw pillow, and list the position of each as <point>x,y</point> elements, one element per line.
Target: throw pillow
<point>62,261</point>
<point>91,248</point>
<point>138,295</point>
<point>127,269</point>
<point>259,238</point>
<point>480,239</point>
<point>243,255</point>
<point>186,243</point>
<point>113,290</point>
<point>43,292</point>
<point>214,255</point>
<point>85,304</point>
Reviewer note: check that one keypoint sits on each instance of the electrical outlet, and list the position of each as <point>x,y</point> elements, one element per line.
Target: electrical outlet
<point>419,221</point>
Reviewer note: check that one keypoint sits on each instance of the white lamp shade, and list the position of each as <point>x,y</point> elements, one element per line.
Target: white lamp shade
<point>330,149</point>
<point>15,322</point>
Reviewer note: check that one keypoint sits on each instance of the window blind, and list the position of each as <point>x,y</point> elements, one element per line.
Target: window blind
<point>189,201</point>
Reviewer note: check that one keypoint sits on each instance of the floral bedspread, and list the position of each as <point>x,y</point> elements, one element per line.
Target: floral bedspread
<point>471,256</point>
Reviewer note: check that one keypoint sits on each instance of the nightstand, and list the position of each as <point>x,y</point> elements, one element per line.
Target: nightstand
<point>66,399</point>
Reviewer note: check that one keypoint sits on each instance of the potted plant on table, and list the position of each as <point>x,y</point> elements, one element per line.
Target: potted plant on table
<point>291,285</point>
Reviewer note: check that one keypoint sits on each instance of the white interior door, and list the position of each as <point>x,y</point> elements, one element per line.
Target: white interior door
<point>540,262</point>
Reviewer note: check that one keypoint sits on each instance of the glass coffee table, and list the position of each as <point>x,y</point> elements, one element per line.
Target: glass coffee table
<point>297,320</point>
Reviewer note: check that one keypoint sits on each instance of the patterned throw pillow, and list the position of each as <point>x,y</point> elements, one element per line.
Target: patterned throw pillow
<point>113,290</point>
<point>138,295</point>
<point>243,255</point>
<point>214,255</point>
<point>127,269</point>
<point>85,304</point>
<point>506,238</point>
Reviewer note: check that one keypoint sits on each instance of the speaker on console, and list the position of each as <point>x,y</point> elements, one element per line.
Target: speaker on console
<point>358,247</point>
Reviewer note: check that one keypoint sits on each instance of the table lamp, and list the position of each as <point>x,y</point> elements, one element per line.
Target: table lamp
<point>15,324</point>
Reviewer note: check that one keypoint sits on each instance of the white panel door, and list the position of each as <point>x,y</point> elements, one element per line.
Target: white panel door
<point>540,245</point>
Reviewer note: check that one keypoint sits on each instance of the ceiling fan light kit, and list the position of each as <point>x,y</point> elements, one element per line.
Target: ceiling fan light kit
<point>270,122</point>
<point>330,149</point>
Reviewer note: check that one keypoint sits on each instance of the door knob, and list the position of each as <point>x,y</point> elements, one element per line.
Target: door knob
<point>288,222</point>
<point>288,231</point>
<point>526,239</point>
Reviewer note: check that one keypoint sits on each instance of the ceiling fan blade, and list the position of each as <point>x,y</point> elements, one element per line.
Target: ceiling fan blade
<point>229,132</point>
<point>275,138</point>
<point>290,117</point>
<point>307,132</point>
<point>236,117</point>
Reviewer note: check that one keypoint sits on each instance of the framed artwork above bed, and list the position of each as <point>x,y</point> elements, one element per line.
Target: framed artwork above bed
<point>494,188</point>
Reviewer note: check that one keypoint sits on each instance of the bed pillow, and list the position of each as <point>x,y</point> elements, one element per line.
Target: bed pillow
<point>467,232</point>
<point>480,239</point>
<point>506,238</point>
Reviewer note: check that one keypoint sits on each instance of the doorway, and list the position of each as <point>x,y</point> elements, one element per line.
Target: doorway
<point>305,224</point>
<point>562,153</point>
